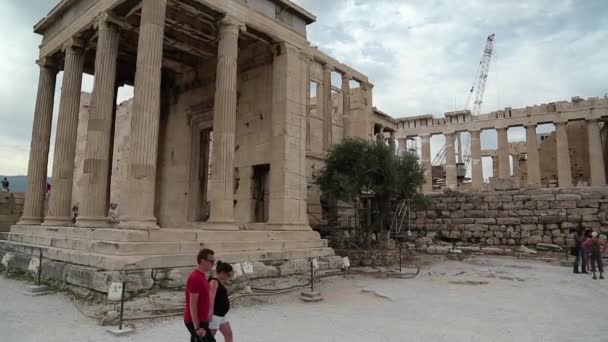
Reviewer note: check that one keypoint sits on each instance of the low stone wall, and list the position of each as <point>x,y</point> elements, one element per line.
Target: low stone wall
<point>11,207</point>
<point>373,257</point>
<point>520,217</point>
<point>64,273</point>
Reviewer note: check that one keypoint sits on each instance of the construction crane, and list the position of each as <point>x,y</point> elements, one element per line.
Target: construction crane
<point>479,82</point>
<point>479,88</point>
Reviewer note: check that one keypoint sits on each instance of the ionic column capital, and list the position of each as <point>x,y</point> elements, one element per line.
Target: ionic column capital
<point>105,21</point>
<point>74,45</point>
<point>49,63</point>
<point>327,67</point>
<point>367,86</point>
<point>230,23</point>
<point>346,78</point>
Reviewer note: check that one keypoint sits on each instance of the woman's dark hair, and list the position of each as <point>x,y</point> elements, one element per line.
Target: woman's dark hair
<point>223,267</point>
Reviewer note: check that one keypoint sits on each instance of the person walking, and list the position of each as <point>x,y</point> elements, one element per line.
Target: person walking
<point>595,247</point>
<point>220,303</point>
<point>581,254</point>
<point>198,300</point>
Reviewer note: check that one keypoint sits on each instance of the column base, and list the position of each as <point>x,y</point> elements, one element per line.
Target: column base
<point>140,223</point>
<point>29,221</point>
<point>58,221</point>
<point>93,222</point>
<point>216,226</point>
<point>291,227</point>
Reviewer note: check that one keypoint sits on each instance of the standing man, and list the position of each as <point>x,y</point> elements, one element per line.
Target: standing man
<point>198,301</point>
<point>5,185</point>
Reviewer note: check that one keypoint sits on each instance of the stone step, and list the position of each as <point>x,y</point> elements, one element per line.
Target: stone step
<point>133,262</point>
<point>165,235</point>
<point>151,248</point>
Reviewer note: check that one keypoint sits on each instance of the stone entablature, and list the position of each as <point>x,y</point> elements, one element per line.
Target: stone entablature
<point>590,111</point>
<point>563,111</point>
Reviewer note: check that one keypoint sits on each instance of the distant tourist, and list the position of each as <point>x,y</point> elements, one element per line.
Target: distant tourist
<point>198,300</point>
<point>5,185</point>
<point>595,247</point>
<point>220,304</point>
<point>580,253</point>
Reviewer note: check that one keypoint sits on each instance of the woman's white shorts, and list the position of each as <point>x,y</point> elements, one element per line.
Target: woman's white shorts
<point>217,321</point>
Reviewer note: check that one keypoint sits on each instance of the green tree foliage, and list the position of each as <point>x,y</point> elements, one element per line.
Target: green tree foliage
<point>356,166</point>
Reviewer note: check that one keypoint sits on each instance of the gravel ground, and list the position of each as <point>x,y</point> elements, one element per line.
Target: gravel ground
<point>478,299</point>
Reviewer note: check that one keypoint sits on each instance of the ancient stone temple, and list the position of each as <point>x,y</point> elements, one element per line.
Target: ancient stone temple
<point>232,111</point>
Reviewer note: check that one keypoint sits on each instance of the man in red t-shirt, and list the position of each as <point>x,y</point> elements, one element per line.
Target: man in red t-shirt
<point>198,302</point>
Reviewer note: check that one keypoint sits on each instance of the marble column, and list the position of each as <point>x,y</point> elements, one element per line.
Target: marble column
<point>33,207</point>
<point>327,108</point>
<point>362,127</point>
<point>426,163</point>
<point>60,204</point>
<point>348,119</point>
<point>391,140</point>
<point>533,159</point>
<point>224,125</point>
<point>138,205</point>
<point>494,167</point>
<point>597,172</point>
<point>476,166</point>
<point>564,173</point>
<point>451,178</point>
<point>94,206</point>
<point>503,153</point>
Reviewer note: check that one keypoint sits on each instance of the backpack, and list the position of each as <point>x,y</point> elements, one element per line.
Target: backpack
<point>595,247</point>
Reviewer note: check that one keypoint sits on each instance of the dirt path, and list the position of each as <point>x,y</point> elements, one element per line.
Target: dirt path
<point>480,299</point>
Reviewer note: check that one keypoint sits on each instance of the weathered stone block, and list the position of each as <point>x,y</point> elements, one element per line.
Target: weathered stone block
<point>530,204</point>
<point>555,212</point>
<point>529,219</point>
<point>565,204</point>
<point>542,205</point>
<point>533,240</point>
<point>583,211</point>
<point>466,220</point>
<point>588,204</point>
<point>570,225</point>
<point>589,218</point>
<point>508,220</point>
<point>491,213</point>
<point>476,227</point>
<point>485,220</point>
<point>475,213</point>
<point>513,205</point>
<point>544,198</point>
<point>567,197</point>
<point>551,219</point>
<point>529,227</point>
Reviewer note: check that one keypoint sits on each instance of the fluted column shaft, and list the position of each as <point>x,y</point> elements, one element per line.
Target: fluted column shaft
<point>564,173</point>
<point>597,172</point>
<point>451,178</point>
<point>503,153</point>
<point>426,163</point>
<point>33,208</point>
<point>476,166</point>
<point>348,118</point>
<point>138,204</point>
<point>60,205</point>
<point>327,108</point>
<point>533,159</point>
<point>93,207</point>
<point>224,124</point>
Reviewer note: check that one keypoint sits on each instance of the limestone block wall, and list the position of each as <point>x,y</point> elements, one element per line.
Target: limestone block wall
<point>523,217</point>
<point>192,108</point>
<point>11,208</point>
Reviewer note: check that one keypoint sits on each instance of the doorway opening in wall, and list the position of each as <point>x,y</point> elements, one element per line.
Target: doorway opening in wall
<point>261,195</point>
<point>204,171</point>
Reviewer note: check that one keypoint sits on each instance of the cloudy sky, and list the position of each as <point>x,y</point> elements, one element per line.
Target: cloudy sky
<point>421,55</point>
